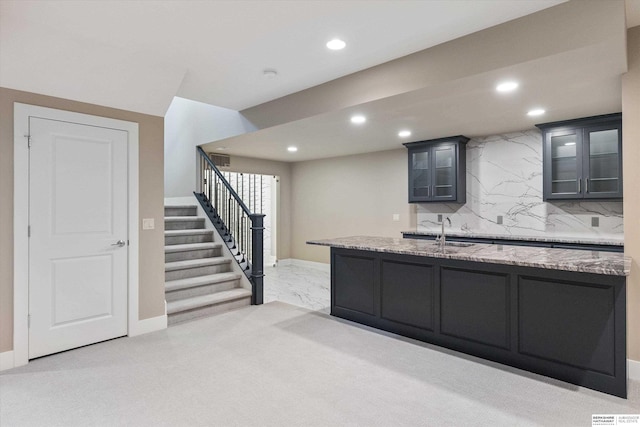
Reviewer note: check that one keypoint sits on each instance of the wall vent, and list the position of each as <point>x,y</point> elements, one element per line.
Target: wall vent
<point>220,160</point>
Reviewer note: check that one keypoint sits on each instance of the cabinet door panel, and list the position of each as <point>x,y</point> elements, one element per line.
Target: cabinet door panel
<point>604,176</point>
<point>444,173</point>
<point>407,293</point>
<point>475,306</point>
<point>569,323</point>
<point>565,164</point>
<point>420,175</point>
<point>354,285</point>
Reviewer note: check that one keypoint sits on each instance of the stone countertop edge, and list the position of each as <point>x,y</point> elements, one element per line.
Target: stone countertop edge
<point>584,261</point>
<point>578,240</point>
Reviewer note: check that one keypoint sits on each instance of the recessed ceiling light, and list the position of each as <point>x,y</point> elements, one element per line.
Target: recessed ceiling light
<point>569,143</point>
<point>221,148</point>
<point>536,112</point>
<point>336,44</point>
<point>404,133</point>
<point>507,86</point>
<point>292,149</point>
<point>358,119</point>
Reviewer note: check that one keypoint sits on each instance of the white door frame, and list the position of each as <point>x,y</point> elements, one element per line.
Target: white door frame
<point>22,112</point>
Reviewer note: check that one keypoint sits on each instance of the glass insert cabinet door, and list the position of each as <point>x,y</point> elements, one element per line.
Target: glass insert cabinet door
<point>565,164</point>
<point>444,173</point>
<point>604,162</point>
<point>421,177</point>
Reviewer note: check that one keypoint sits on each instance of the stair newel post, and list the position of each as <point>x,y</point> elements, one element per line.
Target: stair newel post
<point>257,257</point>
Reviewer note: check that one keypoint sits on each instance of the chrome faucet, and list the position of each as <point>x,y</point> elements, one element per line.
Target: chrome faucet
<point>442,239</point>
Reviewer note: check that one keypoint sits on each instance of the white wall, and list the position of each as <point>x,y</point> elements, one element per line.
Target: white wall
<point>188,124</point>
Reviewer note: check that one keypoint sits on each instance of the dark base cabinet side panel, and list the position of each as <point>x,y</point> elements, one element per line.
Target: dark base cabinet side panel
<point>353,281</point>
<point>573,331</point>
<point>566,325</point>
<point>475,306</point>
<point>407,294</point>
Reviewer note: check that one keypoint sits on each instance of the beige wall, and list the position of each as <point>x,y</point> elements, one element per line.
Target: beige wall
<point>631,155</point>
<point>151,131</point>
<point>348,196</point>
<point>283,170</point>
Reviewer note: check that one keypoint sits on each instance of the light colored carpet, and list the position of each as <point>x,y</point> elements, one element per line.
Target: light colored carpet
<point>280,365</point>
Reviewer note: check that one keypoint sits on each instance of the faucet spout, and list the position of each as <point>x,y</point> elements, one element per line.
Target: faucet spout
<point>442,238</point>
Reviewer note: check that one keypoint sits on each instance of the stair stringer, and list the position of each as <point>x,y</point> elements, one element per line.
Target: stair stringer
<point>226,253</point>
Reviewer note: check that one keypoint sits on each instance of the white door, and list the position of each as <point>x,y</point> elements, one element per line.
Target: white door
<point>77,215</point>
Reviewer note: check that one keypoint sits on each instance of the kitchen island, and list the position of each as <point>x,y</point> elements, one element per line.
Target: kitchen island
<point>556,312</point>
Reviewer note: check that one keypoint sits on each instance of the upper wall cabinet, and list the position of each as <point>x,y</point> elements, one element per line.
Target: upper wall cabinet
<point>437,170</point>
<point>582,158</point>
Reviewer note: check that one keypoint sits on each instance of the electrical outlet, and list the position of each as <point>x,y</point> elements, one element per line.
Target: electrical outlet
<point>595,221</point>
<point>396,217</point>
<point>148,224</point>
<point>499,219</point>
<point>439,217</point>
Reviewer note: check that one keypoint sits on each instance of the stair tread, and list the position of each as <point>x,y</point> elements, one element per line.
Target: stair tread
<point>206,300</point>
<point>187,232</point>
<point>182,247</point>
<point>192,282</point>
<point>192,263</point>
<point>183,218</point>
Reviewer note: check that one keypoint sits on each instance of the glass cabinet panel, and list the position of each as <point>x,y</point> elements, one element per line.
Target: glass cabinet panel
<point>582,158</point>
<point>437,170</point>
<point>421,182</point>
<point>603,162</point>
<point>444,179</point>
<point>564,164</point>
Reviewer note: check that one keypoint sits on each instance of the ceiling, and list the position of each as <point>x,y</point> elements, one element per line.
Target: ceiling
<point>136,55</point>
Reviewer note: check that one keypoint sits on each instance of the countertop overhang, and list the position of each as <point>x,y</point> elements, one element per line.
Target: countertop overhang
<point>585,261</point>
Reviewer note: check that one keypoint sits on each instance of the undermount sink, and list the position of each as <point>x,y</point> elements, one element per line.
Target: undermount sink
<point>458,244</point>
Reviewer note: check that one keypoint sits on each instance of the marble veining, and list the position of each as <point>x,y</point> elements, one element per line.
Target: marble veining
<point>504,178</point>
<point>597,262</point>
<point>299,283</point>
<point>550,239</point>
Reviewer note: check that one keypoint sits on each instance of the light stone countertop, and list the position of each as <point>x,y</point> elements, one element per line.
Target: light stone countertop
<point>598,262</point>
<point>551,239</point>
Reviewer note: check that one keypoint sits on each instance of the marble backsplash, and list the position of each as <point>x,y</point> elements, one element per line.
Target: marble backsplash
<point>504,178</point>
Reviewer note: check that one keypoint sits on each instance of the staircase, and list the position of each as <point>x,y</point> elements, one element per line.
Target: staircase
<point>199,278</point>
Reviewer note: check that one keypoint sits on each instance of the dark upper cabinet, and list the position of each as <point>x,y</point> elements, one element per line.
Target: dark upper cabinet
<point>437,170</point>
<point>582,158</point>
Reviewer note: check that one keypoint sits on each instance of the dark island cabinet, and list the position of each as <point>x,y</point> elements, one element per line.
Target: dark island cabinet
<point>437,170</point>
<point>563,324</point>
<point>582,158</point>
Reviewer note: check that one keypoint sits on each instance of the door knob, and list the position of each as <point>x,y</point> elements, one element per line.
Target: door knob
<point>119,243</point>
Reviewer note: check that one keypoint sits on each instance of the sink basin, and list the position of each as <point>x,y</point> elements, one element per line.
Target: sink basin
<point>458,244</point>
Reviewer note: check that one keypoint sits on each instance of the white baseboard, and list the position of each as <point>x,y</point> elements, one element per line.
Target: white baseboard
<point>6,360</point>
<point>633,369</point>
<point>304,263</point>
<point>149,325</point>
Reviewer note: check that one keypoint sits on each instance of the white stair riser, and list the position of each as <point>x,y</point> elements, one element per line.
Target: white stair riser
<point>183,240</point>
<point>197,291</point>
<point>196,271</point>
<point>182,211</point>
<point>196,223</point>
<point>208,310</point>
<point>192,254</point>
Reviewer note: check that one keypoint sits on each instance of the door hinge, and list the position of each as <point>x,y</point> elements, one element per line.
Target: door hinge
<point>28,140</point>
<point>29,231</point>
<point>28,320</point>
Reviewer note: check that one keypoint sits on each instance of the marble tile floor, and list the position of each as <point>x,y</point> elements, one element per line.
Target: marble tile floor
<point>300,283</point>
